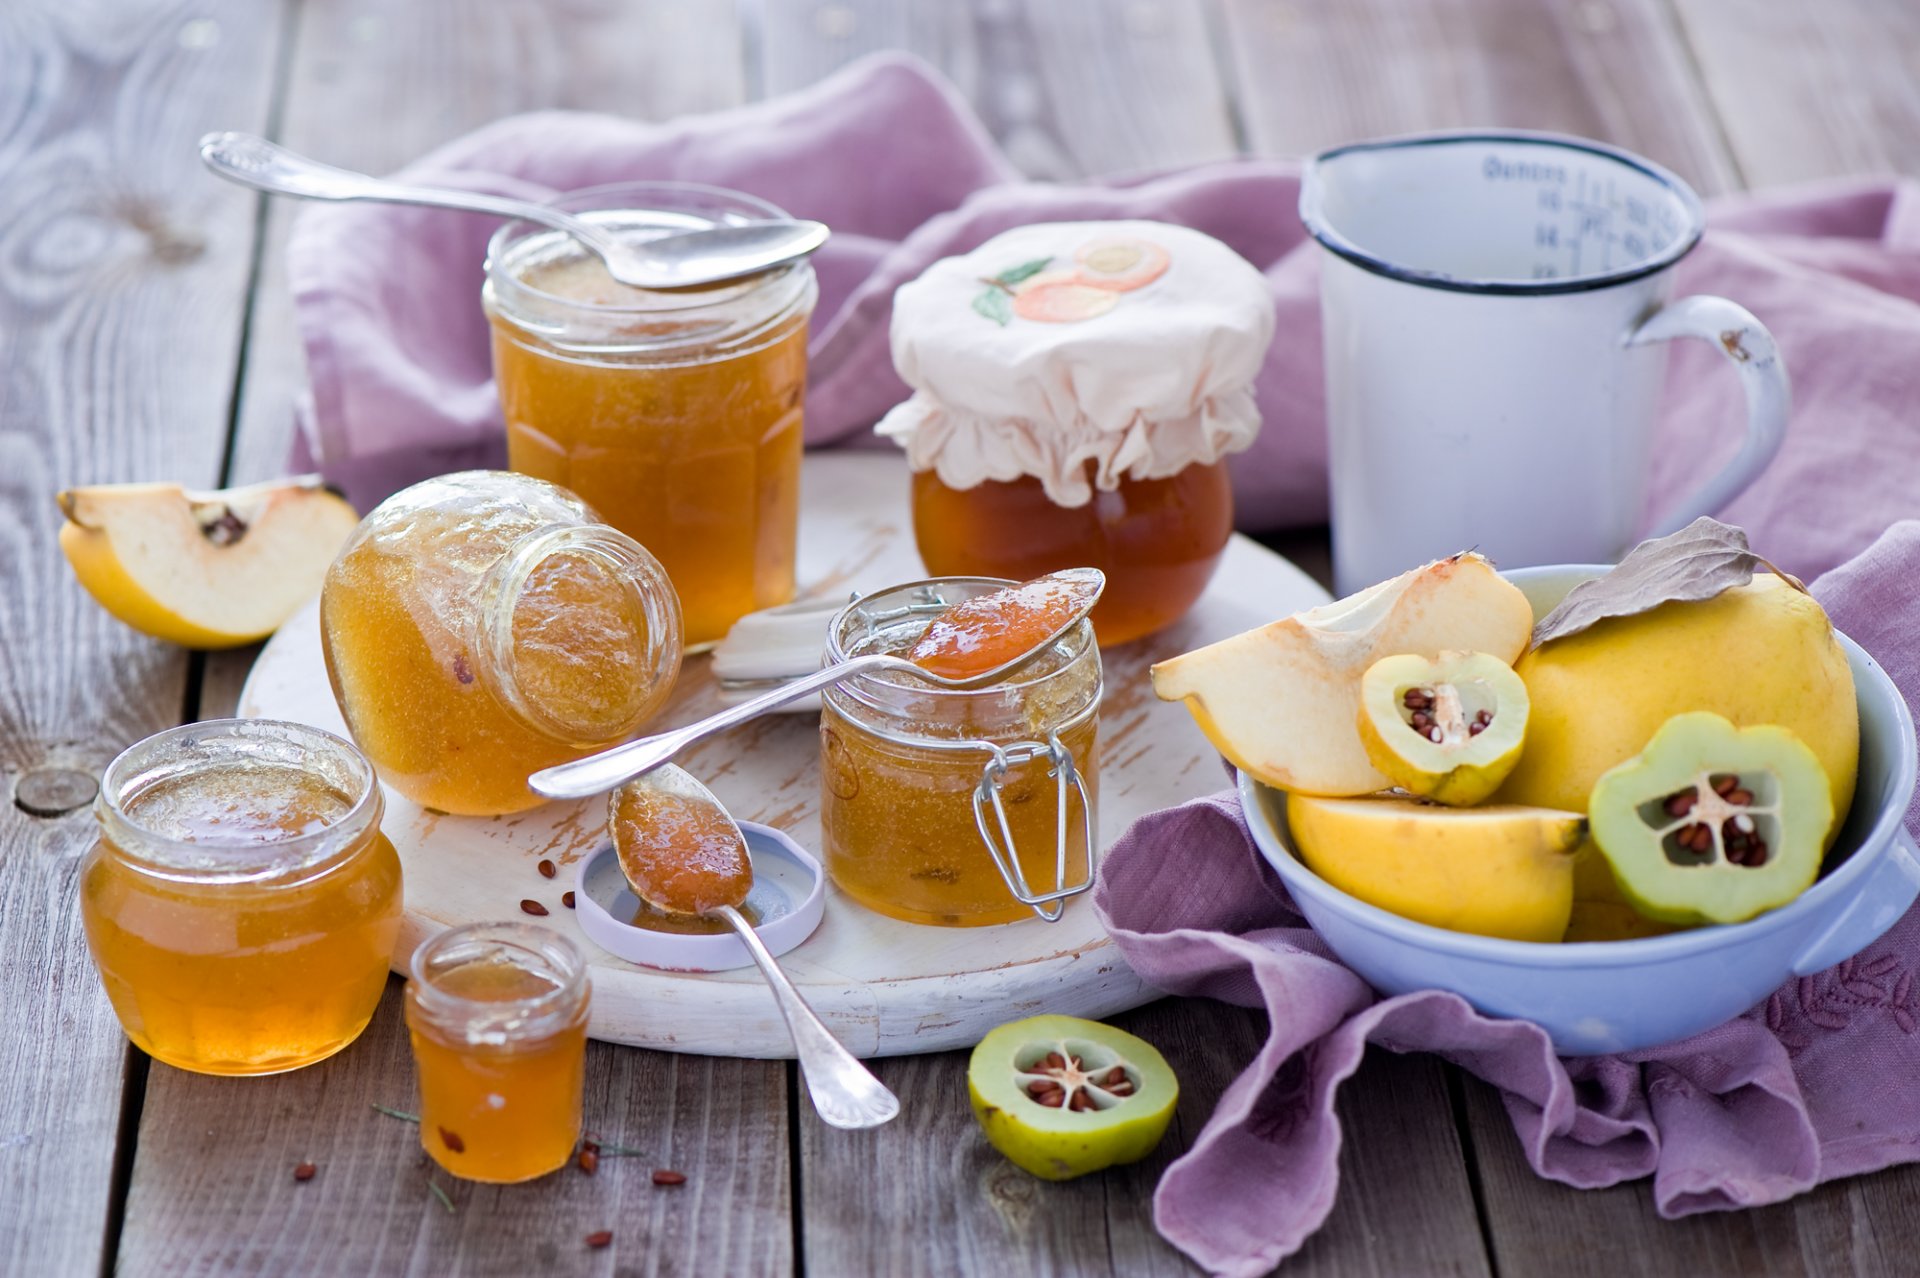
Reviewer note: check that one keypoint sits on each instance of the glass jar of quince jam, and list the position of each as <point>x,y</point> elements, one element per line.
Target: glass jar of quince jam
<point>958,807</point>
<point>241,904</point>
<point>1077,388</point>
<point>484,625</point>
<point>676,414</point>
<point>497,1013</point>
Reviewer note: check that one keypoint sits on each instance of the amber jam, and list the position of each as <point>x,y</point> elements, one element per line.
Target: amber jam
<point>482,626</point>
<point>676,414</point>
<point>241,904</point>
<point>1158,540</point>
<point>916,779</point>
<point>497,1013</point>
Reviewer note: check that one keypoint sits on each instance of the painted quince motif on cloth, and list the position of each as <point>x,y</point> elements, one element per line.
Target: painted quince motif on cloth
<point>1102,270</point>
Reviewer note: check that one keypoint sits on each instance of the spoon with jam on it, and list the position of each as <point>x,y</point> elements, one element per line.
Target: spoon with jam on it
<point>971,644</point>
<point>683,854</point>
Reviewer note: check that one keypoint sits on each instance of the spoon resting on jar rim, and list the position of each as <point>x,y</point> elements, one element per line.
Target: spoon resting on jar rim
<point>972,644</point>
<point>682,853</point>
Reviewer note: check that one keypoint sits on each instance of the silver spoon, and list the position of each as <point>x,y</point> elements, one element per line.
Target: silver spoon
<point>845,1093</point>
<point>684,260</point>
<point>598,773</point>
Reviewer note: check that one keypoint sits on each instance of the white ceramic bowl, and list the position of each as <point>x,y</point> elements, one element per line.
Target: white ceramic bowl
<point>1612,996</point>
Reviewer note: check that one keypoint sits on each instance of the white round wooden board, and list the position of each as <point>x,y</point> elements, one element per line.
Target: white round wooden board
<point>885,987</point>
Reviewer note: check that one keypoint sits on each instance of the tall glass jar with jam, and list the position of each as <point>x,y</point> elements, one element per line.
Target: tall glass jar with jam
<point>241,904</point>
<point>958,807</point>
<point>1077,389</point>
<point>484,625</point>
<point>677,414</point>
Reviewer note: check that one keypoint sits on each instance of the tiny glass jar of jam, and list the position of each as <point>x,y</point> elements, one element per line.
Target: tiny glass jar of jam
<point>484,625</point>
<point>497,1013</point>
<point>241,904</point>
<point>676,414</point>
<point>958,807</point>
<point>1077,388</point>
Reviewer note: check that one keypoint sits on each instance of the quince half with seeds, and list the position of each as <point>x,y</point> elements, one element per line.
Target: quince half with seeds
<point>204,569</point>
<point>1282,702</point>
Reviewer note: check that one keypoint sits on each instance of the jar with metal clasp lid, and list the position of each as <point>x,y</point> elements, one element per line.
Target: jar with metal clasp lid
<point>951,807</point>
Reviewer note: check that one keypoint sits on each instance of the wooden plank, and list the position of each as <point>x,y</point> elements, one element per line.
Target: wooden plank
<point>1313,75</point>
<point>1812,90</point>
<point>1862,1226</point>
<point>120,291</point>
<point>213,1190</point>
<point>1069,87</point>
<point>1405,1205</point>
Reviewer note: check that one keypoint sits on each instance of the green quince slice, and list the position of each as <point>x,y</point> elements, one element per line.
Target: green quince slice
<point>1061,1096</point>
<point>1711,823</point>
<point>1449,729</point>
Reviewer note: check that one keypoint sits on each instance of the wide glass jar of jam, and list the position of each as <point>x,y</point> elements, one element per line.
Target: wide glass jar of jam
<point>484,625</point>
<point>958,808</point>
<point>241,904</point>
<point>497,1013</point>
<point>675,414</point>
<point>1077,388</point>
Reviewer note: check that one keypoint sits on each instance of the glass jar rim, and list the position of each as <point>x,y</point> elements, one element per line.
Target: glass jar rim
<point>664,197</point>
<point>212,743</point>
<point>875,692</point>
<point>498,1020</point>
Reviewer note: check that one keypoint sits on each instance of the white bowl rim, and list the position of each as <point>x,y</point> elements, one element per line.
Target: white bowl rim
<point>1628,953</point>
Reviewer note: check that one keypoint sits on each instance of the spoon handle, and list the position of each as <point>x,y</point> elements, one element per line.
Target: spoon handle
<point>845,1092</point>
<point>598,773</point>
<point>254,161</point>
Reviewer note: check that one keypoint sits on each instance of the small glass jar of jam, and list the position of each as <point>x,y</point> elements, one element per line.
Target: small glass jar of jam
<point>241,904</point>
<point>497,1013</point>
<point>484,625</point>
<point>1077,388</point>
<point>676,414</point>
<point>958,808</point>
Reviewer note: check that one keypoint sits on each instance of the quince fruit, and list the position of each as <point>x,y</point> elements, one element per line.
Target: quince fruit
<point>1449,730</point>
<point>204,569</point>
<point>1282,701</point>
<point>1494,871</point>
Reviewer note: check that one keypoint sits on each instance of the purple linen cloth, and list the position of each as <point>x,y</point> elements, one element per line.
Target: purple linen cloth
<point>889,156</point>
<point>1815,1083</point>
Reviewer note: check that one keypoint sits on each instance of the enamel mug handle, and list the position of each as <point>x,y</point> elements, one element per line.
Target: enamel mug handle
<point>1877,905</point>
<point>1750,349</point>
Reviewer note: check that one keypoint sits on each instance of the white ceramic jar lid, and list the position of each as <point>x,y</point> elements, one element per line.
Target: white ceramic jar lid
<point>1132,345</point>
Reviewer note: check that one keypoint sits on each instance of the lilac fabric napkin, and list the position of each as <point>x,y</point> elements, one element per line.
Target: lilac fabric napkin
<point>1815,1083</point>
<point>894,161</point>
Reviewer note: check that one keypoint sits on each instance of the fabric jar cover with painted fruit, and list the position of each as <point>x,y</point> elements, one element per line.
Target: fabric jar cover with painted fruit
<point>1077,389</point>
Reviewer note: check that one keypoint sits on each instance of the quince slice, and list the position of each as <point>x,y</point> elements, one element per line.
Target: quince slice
<point>1493,871</point>
<point>1282,701</point>
<point>1449,730</point>
<point>204,569</point>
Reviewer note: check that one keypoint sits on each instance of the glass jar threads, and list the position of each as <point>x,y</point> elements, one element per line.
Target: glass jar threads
<point>241,904</point>
<point>497,1014</point>
<point>950,807</point>
<point>1077,387</point>
<point>484,625</point>
<point>676,414</point>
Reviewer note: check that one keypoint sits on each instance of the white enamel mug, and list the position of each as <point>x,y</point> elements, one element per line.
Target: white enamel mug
<point>1495,307</point>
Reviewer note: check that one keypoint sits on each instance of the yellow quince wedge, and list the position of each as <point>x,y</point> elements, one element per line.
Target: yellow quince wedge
<point>1494,871</point>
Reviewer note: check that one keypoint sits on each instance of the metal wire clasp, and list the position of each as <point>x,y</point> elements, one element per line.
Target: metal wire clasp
<point>1048,905</point>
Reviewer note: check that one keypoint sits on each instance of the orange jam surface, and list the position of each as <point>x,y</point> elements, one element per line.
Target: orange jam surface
<point>978,634</point>
<point>397,614</point>
<point>697,458</point>
<point>499,1111</point>
<point>243,977</point>
<point>680,852</point>
<point>1158,540</point>
<point>897,820</point>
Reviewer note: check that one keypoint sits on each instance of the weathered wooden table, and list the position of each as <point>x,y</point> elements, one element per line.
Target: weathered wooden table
<point>145,331</point>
